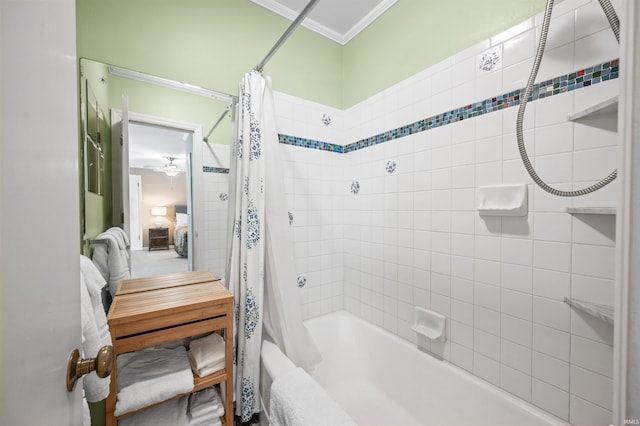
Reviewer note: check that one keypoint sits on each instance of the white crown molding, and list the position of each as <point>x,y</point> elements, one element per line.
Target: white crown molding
<point>323,30</point>
<point>368,19</point>
<point>277,8</point>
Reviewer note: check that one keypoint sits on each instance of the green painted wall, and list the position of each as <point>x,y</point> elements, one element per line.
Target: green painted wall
<point>414,34</point>
<point>212,43</point>
<point>209,43</point>
<point>158,101</point>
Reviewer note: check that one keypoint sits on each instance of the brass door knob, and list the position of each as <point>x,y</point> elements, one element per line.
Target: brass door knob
<point>102,364</point>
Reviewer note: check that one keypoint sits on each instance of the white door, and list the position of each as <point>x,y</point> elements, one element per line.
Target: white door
<point>135,200</point>
<point>39,205</point>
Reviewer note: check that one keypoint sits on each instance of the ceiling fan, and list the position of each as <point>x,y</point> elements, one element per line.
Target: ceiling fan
<point>169,169</point>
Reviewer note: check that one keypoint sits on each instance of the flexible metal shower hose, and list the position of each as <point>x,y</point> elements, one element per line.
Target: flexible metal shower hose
<point>615,26</point>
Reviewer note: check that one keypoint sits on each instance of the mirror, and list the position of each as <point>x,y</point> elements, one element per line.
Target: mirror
<point>92,131</point>
<point>162,166</point>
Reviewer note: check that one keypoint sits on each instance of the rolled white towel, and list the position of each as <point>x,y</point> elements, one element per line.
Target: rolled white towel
<point>171,413</point>
<point>149,376</point>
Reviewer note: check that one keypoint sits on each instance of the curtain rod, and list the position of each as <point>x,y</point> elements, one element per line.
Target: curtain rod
<point>224,113</point>
<point>286,34</point>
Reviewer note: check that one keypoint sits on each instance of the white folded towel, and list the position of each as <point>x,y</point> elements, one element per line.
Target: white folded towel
<point>101,254</point>
<point>149,376</point>
<point>95,331</point>
<point>95,283</point>
<point>122,237</point>
<point>111,260</point>
<point>206,423</point>
<point>297,399</point>
<point>205,404</point>
<point>123,243</point>
<point>209,369</point>
<point>171,413</point>
<point>207,354</point>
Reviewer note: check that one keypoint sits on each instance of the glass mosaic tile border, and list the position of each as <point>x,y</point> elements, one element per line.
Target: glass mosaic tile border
<point>208,169</point>
<point>310,143</point>
<point>562,84</point>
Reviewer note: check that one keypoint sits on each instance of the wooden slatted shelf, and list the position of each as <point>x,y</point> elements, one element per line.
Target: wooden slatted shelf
<point>149,311</point>
<point>157,282</point>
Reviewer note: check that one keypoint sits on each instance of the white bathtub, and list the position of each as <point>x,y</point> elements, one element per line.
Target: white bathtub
<point>381,379</point>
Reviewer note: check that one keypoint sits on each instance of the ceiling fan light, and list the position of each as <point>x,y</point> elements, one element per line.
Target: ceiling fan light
<point>171,172</point>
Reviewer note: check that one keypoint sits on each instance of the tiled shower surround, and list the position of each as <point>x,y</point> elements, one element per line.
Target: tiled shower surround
<point>215,197</point>
<point>385,219</point>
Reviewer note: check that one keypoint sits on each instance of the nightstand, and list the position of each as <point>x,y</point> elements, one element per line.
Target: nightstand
<point>158,238</point>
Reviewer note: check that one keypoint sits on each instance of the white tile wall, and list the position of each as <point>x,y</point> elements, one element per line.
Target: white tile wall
<point>583,412</point>
<point>552,342</point>
<point>550,398</point>
<point>413,237</point>
<point>515,382</point>
<point>486,368</point>
<point>551,370</point>
<point>315,188</point>
<point>516,356</point>
<point>215,209</point>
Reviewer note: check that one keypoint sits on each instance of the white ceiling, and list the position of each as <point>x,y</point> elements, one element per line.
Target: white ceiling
<point>149,146</point>
<point>338,20</point>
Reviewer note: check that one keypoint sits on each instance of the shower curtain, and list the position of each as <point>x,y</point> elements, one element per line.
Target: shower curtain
<point>260,268</point>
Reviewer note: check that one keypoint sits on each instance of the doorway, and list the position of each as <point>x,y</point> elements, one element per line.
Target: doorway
<point>158,157</point>
<point>161,152</point>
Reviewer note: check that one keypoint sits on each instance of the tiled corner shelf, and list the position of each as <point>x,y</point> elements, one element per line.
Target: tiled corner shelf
<point>609,106</point>
<point>591,210</point>
<point>605,313</point>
